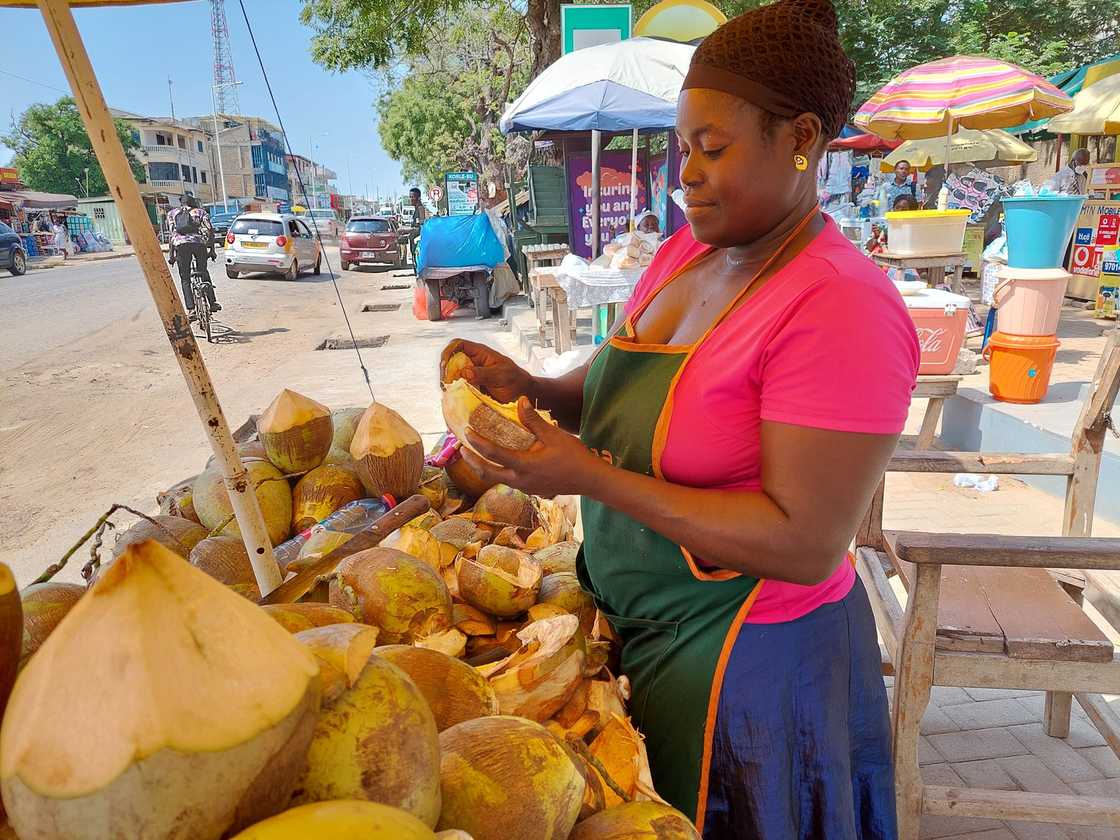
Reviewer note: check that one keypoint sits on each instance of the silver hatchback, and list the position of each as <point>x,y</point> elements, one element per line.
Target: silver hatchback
<point>277,243</point>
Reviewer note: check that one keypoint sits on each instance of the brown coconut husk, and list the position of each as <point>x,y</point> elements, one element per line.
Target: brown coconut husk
<point>303,616</point>
<point>620,750</point>
<point>501,581</point>
<point>209,723</point>
<point>321,492</point>
<point>454,690</point>
<point>637,821</point>
<point>501,506</point>
<point>178,501</point>
<point>11,634</point>
<point>173,532</point>
<point>402,596</point>
<point>44,606</point>
<point>225,559</point>
<point>347,819</point>
<point>504,778</point>
<point>296,432</point>
<point>274,494</point>
<point>342,651</point>
<point>538,680</point>
<point>388,452</point>
<point>465,408</point>
<point>377,741</point>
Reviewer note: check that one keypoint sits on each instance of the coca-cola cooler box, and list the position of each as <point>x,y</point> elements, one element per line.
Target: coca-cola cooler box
<point>940,318</point>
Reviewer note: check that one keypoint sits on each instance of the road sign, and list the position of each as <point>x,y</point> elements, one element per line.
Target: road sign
<point>435,193</point>
<point>589,26</point>
<point>462,193</point>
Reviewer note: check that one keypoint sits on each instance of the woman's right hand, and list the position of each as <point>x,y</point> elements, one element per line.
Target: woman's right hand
<point>489,371</point>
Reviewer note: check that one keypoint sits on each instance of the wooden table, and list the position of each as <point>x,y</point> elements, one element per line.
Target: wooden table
<point>936,389</point>
<point>553,297</point>
<point>940,261</point>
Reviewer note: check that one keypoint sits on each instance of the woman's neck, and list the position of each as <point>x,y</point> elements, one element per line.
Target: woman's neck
<point>761,249</point>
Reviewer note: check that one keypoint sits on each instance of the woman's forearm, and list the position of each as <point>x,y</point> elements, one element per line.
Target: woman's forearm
<point>562,396</point>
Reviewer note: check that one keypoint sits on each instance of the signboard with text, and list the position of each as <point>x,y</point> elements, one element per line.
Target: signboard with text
<point>462,193</point>
<point>9,175</point>
<point>590,26</point>
<point>1096,239</point>
<point>614,204</point>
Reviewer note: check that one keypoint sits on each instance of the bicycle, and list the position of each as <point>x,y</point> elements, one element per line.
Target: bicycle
<point>201,291</point>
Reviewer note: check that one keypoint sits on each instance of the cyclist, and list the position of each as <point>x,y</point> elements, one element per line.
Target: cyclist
<point>192,240</point>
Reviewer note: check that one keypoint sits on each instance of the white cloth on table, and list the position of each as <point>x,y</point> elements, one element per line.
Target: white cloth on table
<point>587,286</point>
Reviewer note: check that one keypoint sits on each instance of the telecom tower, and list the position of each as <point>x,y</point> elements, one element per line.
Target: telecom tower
<point>225,80</point>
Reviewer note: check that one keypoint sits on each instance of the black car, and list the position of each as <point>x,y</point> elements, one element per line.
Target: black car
<point>12,255</point>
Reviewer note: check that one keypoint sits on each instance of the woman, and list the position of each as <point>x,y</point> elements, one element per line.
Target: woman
<point>731,436</point>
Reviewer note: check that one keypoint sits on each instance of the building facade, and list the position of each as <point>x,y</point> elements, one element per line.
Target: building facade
<point>317,181</point>
<point>252,158</point>
<point>176,156</point>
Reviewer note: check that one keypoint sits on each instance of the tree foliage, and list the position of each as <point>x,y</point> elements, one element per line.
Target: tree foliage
<point>52,150</point>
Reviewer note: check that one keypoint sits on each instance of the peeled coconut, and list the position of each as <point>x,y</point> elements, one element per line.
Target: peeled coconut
<point>11,634</point>
<point>454,690</point>
<point>501,505</point>
<point>506,778</point>
<point>211,500</point>
<point>345,422</point>
<point>501,581</point>
<point>538,680</point>
<point>388,452</point>
<point>343,819</point>
<point>305,615</point>
<point>321,492</point>
<point>225,559</point>
<point>178,534</point>
<point>403,597</point>
<point>637,821</point>
<point>296,432</point>
<point>195,716</point>
<point>342,651</point>
<point>377,741</point>
<point>465,407</point>
<point>44,606</point>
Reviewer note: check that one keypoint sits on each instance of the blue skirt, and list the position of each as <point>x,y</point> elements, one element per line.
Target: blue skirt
<point>802,746</point>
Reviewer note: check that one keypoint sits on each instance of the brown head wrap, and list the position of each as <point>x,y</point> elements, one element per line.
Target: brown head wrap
<point>785,58</point>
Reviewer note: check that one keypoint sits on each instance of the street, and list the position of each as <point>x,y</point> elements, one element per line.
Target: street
<point>94,409</point>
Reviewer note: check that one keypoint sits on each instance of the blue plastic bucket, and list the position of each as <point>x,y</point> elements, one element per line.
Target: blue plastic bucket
<point>1039,228</point>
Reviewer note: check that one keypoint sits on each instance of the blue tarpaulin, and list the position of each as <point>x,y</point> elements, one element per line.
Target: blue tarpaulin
<point>467,242</point>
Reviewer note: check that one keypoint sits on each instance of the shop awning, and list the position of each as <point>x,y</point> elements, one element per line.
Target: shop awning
<point>34,200</point>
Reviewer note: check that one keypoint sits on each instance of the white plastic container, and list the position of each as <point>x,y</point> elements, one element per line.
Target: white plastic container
<point>939,319</point>
<point>1028,301</point>
<point>926,233</point>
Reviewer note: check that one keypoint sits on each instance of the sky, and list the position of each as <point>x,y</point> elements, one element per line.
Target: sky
<point>135,48</point>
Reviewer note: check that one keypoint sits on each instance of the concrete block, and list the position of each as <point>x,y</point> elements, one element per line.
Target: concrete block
<point>977,744</point>
<point>985,773</point>
<point>1032,775</point>
<point>988,713</point>
<point>1056,754</point>
<point>1104,759</point>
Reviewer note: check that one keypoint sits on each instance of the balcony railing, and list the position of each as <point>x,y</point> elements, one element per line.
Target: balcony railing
<point>163,185</point>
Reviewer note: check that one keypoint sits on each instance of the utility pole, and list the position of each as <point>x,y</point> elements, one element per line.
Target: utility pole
<point>175,139</point>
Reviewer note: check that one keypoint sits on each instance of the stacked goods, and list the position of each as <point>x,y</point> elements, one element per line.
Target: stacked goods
<point>451,683</point>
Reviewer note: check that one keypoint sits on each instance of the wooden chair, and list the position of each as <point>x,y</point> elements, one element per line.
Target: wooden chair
<point>984,611</point>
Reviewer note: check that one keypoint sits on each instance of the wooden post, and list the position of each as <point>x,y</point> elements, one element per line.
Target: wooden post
<point>633,179</point>
<point>122,185</point>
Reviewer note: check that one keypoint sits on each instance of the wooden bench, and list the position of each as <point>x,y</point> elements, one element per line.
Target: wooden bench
<point>998,612</point>
<point>937,389</point>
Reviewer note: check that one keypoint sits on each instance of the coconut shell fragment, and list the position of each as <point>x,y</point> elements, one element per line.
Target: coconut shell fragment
<point>178,534</point>
<point>296,432</point>
<point>507,778</point>
<point>501,581</point>
<point>560,557</point>
<point>637,821</point>
<point>305,615</point>
<point>454,690</point>
<point>538,680</point>
<point>342,651</point>
<point>11,634</point>
<point>321,492</point>
<point>388,452</point>
<point>44,606</point>
<point>343,819</point>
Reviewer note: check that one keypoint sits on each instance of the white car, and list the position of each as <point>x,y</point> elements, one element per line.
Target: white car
<point>277,243</point>
<point>323,220</point>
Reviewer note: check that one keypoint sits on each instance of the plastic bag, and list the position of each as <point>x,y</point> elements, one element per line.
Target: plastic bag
<point>420,305</point>
<point>983,483</point>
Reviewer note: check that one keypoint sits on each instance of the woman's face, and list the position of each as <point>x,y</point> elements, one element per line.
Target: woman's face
<point>739,181</point>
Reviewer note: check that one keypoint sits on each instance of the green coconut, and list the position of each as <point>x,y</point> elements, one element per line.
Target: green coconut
<point>274,494</point>
<point>637,821</point>
<point>454,690</point>
<point>321,492</point>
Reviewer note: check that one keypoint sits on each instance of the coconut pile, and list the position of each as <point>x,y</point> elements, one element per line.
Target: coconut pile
<point>454,682</point>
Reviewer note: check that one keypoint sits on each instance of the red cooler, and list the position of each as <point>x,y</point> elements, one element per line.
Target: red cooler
<point>940,318</point>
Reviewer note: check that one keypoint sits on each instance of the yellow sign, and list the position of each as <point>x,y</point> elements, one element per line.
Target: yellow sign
<point>680,20</point>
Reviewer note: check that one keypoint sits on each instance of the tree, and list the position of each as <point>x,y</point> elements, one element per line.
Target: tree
<point>53,152</point>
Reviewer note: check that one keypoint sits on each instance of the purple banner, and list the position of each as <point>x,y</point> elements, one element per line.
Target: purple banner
<point>614,207</point>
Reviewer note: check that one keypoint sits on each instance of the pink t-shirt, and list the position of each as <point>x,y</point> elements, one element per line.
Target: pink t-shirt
<point>825,343</point>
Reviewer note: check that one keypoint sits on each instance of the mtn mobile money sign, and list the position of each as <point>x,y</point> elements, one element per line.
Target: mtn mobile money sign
<point>462,193</point>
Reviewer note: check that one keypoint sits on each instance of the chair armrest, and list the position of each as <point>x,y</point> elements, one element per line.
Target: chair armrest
<point>919,547</point>
<point>998,463</point>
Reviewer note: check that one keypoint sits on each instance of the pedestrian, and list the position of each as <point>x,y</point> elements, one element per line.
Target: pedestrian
<point>900,184</point>
<point>192,241</point>
<point>421,216</point>
<point>731,435</point>
<point>1073,178</point>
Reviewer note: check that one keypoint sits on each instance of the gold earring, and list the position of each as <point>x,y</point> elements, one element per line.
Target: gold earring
<point>800,162</point>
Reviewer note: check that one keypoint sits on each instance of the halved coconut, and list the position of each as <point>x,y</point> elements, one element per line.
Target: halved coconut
<point>11,634</point>
<point>538,680</point>
<point>321,492</point>
<point>501,581</point>
<point>296,432</point>
<point>377,741</point>
<point>637,821</point>
<point>225,559</point>
<point>307,614</point>
<point>507,778</point>
<point>467,408</point>
<point>345,422</point>
<point>342,651</point>
<point>343,819</point>
<point>274,494</point>
<point>502,506</point>
<point>196,716</point>
<point>388,452</point>
<point>402,596</point>
<point>178,534</point>
<point>454,690</point>
<point>44,606</point>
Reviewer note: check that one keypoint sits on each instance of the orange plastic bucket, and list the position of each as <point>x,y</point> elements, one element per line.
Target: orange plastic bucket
<point>1020,366</point>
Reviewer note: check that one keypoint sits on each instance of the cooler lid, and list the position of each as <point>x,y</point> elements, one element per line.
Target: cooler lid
<point>934,299</point>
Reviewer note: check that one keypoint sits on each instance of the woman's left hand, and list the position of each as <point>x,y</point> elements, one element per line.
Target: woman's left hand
<point>557,464</point>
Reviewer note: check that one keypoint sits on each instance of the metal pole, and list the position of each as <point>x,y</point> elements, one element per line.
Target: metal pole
<point>98,122</point>
<point>633,179</point>
<point>596,138</point>
<point>218,142</point>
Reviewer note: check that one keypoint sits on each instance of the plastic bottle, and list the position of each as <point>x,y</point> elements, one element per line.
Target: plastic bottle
<point>351,518</point>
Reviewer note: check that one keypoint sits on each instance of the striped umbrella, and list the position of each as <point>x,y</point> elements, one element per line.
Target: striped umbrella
<point>937,98</point>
